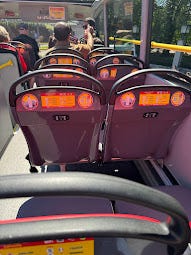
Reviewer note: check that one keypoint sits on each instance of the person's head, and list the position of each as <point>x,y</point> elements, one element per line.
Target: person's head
<point>89,21</point>
<point>23,29</point>
<point>4,35</point>
<point>62,31</point>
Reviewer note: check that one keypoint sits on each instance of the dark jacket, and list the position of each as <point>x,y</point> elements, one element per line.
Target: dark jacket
<point>30,41</point>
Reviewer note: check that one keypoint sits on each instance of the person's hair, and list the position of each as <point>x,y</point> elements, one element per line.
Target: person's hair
<point>62,31</point>
<point>90,21</point>
<point>23,26</point>
<point>4,35</point>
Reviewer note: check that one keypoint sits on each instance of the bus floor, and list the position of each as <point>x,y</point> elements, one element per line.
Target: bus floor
<point>13,162</point>
<point>123,169</point>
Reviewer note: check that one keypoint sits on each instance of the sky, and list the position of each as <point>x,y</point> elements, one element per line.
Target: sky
<point>161,2</point>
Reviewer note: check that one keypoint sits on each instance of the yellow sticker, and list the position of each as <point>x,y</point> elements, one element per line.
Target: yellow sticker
<point>51,247</point>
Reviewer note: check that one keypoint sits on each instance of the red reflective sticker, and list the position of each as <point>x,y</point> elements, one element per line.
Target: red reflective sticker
<point>29,102</point>
<point>116,60</point>
<point>104,73</point>
<point>47,75</point>
<point>177,98</point>
<point>134,70</point>
<point>85,100</point>
<point>127,100</point>
<point>93,61</point>
<point>79,69</point>
<point>52,61</point>
<point>76,61</point>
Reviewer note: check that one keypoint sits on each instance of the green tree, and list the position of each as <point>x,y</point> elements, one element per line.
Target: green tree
<point>158,23</point>
<point>168,19</point>
<point>137,13</point>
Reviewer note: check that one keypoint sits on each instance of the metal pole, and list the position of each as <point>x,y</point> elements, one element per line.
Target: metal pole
<point>146,27</point>
<point>105,22</point>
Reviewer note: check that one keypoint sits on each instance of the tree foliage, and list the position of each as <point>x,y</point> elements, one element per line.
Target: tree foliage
<point>168,18</point>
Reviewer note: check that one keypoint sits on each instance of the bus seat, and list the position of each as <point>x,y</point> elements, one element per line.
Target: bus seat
<point>9,64</point>
<point>43,80</point>
<point>61,123</point>
<point>142,119</point>
<point>93,60</point>
<point>48,77</point>
<point>66,66</point>
<point>6,48</point>
<point>97,45</point>
<point>61,202</point>
<point>25,50</point>
<point>180,193</point>
<point>101,51</point>
<point>61,58</point>
<point>120,59</point>
<point>109,74</point>
<point>67,205</point>
<point>40,206</point>
<point>81,209</point>
<point>70,51</point>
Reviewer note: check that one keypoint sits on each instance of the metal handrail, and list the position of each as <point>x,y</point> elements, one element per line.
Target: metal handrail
<point>181,48</point>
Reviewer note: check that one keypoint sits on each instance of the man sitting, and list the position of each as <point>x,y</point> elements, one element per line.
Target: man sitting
<point>62,33</point>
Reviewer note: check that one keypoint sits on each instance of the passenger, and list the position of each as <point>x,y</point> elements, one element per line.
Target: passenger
<point>30,42</point>
<point>91,22</point>
<point>62,33</point>
<point>52,40</point>
<point>5,38</point>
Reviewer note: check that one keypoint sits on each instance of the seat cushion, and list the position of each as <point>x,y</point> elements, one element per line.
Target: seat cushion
<point>44,206</point>
<point>180,193</point>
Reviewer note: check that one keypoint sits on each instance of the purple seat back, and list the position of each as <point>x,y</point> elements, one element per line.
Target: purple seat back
<point>142,119</point>
<point>65,50</point>
<point>109,74</point>
<point>60,124</point>
<point>61,58</point>
<point>93,60</point>
<point>101,50</point>
<point>119,59</point>
<point>45,80</point>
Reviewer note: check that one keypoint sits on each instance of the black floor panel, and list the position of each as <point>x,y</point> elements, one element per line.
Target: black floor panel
<point>123,169</point>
